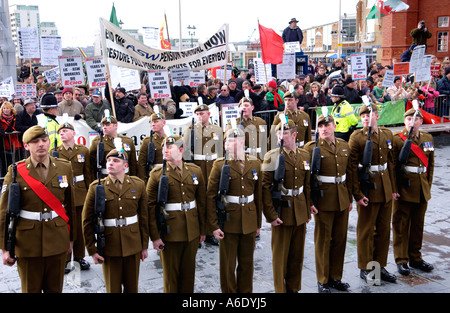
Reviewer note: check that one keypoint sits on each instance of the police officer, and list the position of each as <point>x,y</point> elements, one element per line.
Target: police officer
<point>237,239</point>
<point>414,181</point>
<point>49,106</point>
<point>157,122</point>
<point>45,229</point>
<point>126,223</point>
<point>186,219</point>
<point>334,205</point>
<point>300,118</point>
<point>343,114</point>
<point>109,125</point>
<point>78,156</point>
<point>255,129</point>
<point>289,228</point>
<point>207,147</point>
<point>374,210</point>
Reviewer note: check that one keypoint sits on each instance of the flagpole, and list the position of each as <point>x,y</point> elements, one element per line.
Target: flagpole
<point>108,74</point>
<point>179,17</point>
<point>167,27</point>
<point>265,70</point>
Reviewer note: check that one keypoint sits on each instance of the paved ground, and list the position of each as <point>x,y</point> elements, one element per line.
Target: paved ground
<point>436,250</point>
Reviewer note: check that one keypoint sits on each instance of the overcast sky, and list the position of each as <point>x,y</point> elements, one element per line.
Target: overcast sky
<point>78,21</point>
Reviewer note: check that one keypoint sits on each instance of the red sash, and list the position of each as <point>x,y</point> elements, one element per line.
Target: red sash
<point>43,193</point>
<point>417,151</point>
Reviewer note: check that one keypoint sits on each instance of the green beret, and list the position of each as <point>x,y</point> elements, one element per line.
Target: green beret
<point>107,120</point>
<point>116,154</point>
<point>156,116</point>
<point>323,119</point>
<point>33,133</point>
<point>289,125</point>
<point>173,139</point>
<point>411,112</point>
<point>66,125</point>
<point>202,107</point>
<point>365,109</point>
<point>234,133</point>
<point>288,94</point>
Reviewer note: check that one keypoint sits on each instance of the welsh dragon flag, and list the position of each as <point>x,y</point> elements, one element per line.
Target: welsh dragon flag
<point>382,8</point>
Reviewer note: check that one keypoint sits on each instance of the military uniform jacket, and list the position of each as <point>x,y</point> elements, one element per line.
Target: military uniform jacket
<point>297,175</point>
<point>130,201</point>
<point>419,183</point>
<point>41,238</point>
<point>336,197</point>
<point>211,139</point>
<point>244,218</point>
<point>255,129</point>
<point>301,119</point>
<point>143,152</point>
<point>382,154</point>
<point>81,168</point>
<point>184,225</point>
<point>128,146</point>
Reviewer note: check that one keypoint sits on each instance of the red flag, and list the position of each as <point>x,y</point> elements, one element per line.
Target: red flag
<point>271,45</point>
<point>428,118</point>
<point>165,45</point>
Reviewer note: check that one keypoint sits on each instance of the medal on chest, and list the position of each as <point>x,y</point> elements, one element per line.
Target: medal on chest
<point>80,158</point>
<point>389,144</point>
<point>255,175</point>
<point>63,181</point>
<point>194,178</point>
<point>306,165</point>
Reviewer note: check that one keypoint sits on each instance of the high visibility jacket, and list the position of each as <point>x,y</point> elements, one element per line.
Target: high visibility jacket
<point>52,129</point>
<point>344,116</point>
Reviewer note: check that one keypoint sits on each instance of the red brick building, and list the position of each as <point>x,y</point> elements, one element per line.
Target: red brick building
<point>397,28</point>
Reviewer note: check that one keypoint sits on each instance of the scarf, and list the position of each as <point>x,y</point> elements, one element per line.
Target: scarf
<point>8,118</point>
<point>276,98</point>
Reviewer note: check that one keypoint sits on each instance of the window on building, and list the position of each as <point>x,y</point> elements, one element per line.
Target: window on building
<point>442,41</point>
<point>443,21</point>
<point>349,28</point>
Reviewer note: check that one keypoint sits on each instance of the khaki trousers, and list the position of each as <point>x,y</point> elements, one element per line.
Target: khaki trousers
<point>121,272</point>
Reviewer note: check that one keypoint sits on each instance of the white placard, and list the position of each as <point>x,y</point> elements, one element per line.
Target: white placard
<point>71,69</point>
<point>96,72</point>
<point>159,84</point>
<point>151,37</point>
<point>125,77</point>
<point>359,66</point>
<point>220,73</point>
<point>229,111</point>
<point>263,72</point>
<point>188,108</point>
<point>178,74</point>
<point>388,79</point>
<point>28,43</point>
<point>7,88</point>
<point>292,47</point>
<point>286,70</point>
<point>196,78</point>
<point>52,75</point>
<point>26,90</point>
<point>415,63</point>
<point>424,72</point>
<point>51,50</point>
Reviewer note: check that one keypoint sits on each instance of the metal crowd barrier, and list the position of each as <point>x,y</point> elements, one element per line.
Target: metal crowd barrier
<point>441,106</point>
<point>8,156</point>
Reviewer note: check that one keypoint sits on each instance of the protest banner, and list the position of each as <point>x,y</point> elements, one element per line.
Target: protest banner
<point>25,90</point>
<point>415,63</point>
<point>28,43</point>
<point>263,72</point>
<point>388,79</point>
<point>423,73</point>
<point>159,84</point>
<point>7,88</point>
<point>229,111</point>
<point>292,47</point>
<point>359,66</point>
<point>52,75</point>
<point>96,72</point>
<point>401,68</point>
<point>51,50</point>
<point>196,78</point>
<point>122,50</point>
<point>286,70</point>
<point>71,69</point>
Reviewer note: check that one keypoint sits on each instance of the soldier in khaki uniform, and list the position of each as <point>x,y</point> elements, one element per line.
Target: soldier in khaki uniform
<point>126,223</point>
<point>334,205</point>
<point>300,118</point>
<point>109,125</point>
<point>255,129</point>
<point>375,210</point>
<point>186,218</point>
<point>237,239</point>
<point>207,142</point>
<point>78,156</point>
<point>44,231</point>
<point>414,181</point>
<point>157,122</point>
<point>288,229</point>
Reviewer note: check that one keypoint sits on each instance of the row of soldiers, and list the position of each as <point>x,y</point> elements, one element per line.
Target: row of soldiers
<point>113,210</point>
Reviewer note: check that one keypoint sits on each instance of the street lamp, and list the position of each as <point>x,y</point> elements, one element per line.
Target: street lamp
<point>192,33</point>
